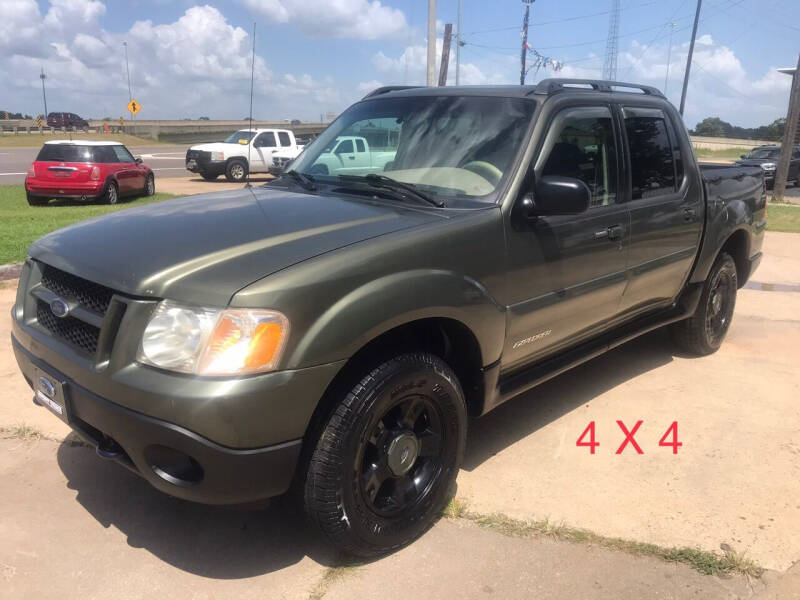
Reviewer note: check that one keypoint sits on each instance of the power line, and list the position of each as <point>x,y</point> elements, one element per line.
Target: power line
<point>564,20</point>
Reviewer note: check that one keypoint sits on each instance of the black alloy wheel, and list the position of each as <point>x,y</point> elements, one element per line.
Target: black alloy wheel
<point>384,462</point>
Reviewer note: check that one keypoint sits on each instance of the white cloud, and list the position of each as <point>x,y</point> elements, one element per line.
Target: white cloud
<point>367,86</point>
<point>356,19</point>
<point>20,27</point>
<point>411,67</point>
<point>719,84</point>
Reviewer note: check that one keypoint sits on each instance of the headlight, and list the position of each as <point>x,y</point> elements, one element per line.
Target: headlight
<point>217,156</point>
<point>769,166</point>
<point>208,341</point>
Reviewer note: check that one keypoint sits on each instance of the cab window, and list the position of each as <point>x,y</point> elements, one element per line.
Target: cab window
<point>360,146</point>
<point>345,147</point>
<point>653,168</point>
<point>580,144</point>
<point>283,137</point>
<point>265,140</point>
<point>122,154</point>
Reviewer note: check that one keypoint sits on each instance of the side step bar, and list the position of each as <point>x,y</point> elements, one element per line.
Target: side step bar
<point>522,381</point>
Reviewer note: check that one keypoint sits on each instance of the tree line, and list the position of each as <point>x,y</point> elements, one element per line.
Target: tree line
<point>716,127</point>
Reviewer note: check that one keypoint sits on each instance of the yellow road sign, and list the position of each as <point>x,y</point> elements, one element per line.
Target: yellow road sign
<point>134,107</point>
<point>39,121</point>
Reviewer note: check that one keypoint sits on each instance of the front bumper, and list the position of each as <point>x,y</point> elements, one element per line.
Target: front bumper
<point>172,458</point>
<point>207,167</point>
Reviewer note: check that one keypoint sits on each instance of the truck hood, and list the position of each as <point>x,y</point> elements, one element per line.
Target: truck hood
<point>203,249</point>
<point>219,147</point>
<point>756,162</point>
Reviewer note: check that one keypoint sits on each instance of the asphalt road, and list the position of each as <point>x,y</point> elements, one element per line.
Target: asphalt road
<point>166,161</point>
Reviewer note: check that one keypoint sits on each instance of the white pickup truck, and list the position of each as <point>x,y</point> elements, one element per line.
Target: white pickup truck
<point>349,154</point>
<point>246,150</point>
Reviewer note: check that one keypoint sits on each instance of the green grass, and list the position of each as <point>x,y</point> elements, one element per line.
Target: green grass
<point>21,224</point>
<point>783,217</point>
<point>703,561</point>
<point>729,153</point>
<point>21,432</point>
<point>35,140</point>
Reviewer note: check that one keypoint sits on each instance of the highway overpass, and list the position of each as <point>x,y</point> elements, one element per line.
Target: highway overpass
<point>170,131</point>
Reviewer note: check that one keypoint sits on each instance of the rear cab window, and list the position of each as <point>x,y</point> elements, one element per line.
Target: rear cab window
<point>283,137</point>
<point>656,161</point>
<point>67,153</point>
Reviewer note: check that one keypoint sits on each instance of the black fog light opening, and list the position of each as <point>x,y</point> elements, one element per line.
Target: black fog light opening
<point>173,465</point>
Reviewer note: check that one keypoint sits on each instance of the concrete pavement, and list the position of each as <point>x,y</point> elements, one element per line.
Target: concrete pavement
<point>73,526</point>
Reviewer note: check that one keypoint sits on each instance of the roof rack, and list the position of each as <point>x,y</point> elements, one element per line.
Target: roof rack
<point>553,86</point>
<point>390,88</point>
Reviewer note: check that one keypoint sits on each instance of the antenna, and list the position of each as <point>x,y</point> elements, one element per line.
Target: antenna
<point>250,119</point>
<point>610,64</point>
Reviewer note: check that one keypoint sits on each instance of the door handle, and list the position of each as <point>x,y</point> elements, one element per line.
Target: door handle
<point>688,214</point>
<point>612,233</point>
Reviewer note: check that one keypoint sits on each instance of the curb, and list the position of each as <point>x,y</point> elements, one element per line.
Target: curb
<point>10,271</point>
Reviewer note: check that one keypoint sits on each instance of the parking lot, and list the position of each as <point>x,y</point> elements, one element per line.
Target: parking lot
<point>734,483</point>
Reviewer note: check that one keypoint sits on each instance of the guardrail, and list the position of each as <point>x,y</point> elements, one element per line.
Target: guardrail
<point>164,130</point>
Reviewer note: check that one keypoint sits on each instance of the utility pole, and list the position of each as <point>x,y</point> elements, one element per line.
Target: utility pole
<point>448,34</point>
<point>431,79</point>
<point>458,46</point>
<point>689,58</point>
<point>669,57</point>
<point>128,70</point>
<point>42,76</point>
<point>524,51</point>
<point>789,137</point>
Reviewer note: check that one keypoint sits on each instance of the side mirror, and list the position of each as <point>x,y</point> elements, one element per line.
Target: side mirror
<point>556,195</point>
<point>742,156</point>
<point>138,160</point>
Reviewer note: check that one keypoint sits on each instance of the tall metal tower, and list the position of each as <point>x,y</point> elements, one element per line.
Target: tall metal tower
<point>610,63</point>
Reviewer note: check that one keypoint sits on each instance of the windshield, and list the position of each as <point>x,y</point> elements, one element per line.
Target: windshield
<point>764,153</point>
<point>240,137</point>
<point>70,153</point>
<point>446,146</point>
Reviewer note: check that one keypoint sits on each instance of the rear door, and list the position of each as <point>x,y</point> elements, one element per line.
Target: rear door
<point>666,207</point>
<point>569,271</point>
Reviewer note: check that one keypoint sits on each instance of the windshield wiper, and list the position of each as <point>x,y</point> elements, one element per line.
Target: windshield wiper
<point>402,189</point>
<point>303,180</point>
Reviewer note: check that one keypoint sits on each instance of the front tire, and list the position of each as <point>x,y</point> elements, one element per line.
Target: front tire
<point>236,171</point>
<point>703,332</point>
<point>384,465</point>
<point>150,185</point>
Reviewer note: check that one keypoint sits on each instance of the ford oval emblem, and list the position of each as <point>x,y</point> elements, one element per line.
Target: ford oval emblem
<point>59,308</point>
<point>47,387</point>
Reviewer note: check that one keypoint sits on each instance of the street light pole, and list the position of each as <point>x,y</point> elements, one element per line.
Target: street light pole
<point>42,76</point>
<point>458,46</point>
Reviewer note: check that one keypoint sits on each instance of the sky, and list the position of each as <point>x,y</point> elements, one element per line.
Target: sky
<point>191,59</point>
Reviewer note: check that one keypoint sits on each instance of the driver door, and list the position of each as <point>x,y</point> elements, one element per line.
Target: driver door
<point>264,146</point>
<point>568,272</point>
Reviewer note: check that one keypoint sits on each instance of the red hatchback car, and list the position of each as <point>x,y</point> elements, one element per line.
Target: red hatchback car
<point>103,171</point>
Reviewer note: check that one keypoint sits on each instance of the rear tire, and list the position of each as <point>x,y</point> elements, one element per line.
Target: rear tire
<point>112,193</point>
<point>703,332</point>
<point>384,465</point>
<point>36,200</point>
<point>236,171</point>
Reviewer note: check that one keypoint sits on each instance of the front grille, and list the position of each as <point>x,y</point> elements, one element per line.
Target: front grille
<point>91,295</point>
<point>69,329</point>
<point>198,155</point>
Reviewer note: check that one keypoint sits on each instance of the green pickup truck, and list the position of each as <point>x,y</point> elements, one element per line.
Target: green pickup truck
<point>328,335</point>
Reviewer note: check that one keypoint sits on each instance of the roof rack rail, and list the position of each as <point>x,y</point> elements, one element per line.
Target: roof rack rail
<point>553,86</point>
<point>390,88</point>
